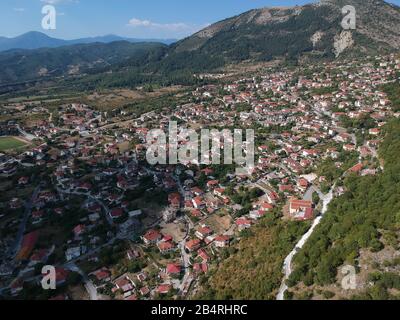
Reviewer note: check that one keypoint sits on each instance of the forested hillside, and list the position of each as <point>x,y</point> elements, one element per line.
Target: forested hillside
<point>293,34</point>
<point>22,65</point>
<point>253,269</point>
<point>366,217</point>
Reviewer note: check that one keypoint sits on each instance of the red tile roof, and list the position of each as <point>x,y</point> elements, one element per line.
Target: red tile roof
<point>28,243</point>
<point>173,268</point>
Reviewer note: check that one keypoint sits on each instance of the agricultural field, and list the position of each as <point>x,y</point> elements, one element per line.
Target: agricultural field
<point>10,143</point>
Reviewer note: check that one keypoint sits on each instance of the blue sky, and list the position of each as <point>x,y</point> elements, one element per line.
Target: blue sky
<point>131,18</point>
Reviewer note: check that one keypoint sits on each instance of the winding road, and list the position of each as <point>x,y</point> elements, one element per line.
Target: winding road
<point>89,286</point>
<point>24,221</point>
<point>287,265</point>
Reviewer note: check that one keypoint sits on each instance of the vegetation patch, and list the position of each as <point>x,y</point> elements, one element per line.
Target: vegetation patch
<point>10,143</point>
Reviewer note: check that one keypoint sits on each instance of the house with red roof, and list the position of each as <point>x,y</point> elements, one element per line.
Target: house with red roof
<point>197,191</point>
<point>200,268</point>
<point>302,184</point>
<point>219,192</point>
<point>124,284</point>
<point>192,245</point>
<point>265,206</point>
<point>164,288</point>
<point>272,197</point>
<point>144,291</point>
<point>167,238</point>
<point>152,237</point>
<point>357,168</point>
<point>301,209</point>
<point>188,204</point>
<point>212,184</point>
<point>296,205</point>
<point>374,131</point>
<point>243,223</point>
<point>102,274</point>
<point>166,247</point>
<point>116,213</point>
<point>196,213</point>
<point>198,203</point>
<point>173,269</point>
<point>222,241</point>
<point>203,232</point>
<point>203,255</point>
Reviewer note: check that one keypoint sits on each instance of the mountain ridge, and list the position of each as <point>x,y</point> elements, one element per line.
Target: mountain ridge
<point>299,34</point>
<point>377,23</point>
<point>37,40</point>
<point>23,64</point>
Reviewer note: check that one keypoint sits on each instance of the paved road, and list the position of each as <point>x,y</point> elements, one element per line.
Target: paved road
<point>90,288</point>
<point>287,265</point>
<point>26,135</point>
<point>24,221</point>
<point>188,278</point>
<point>106,209</point>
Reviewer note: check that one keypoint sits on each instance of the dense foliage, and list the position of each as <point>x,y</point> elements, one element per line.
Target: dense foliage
<point>366,216</point>
<point>253,268</point>
<point>289,37</point>
<point>393,92</point>
<point>22,65</point>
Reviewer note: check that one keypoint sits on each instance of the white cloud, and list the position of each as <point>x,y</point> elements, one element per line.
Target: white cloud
<point>176,27</point>
<point>19,9</point>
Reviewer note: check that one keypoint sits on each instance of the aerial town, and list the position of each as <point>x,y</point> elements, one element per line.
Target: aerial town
<point>77,193</point>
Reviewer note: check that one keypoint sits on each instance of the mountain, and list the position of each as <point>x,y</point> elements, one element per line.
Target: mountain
<point>21,65</point>
<point>36,40</point>
<point>313,29</point>
<point>112,38</point>
<point>296,34</point>
<point>30,40</point>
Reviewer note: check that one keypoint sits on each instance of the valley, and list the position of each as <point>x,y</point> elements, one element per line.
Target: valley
<point>79,193</point>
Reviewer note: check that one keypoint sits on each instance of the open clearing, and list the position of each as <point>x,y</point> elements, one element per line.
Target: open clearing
<point>219,224</point>
<point>9,143</point>
<point>176,230</point>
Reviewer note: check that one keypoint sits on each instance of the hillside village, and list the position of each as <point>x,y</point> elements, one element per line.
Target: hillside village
<point>82,197</point>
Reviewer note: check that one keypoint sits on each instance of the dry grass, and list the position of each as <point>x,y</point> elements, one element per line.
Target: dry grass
<point>176,230</point>
<point>219,224</point>
<point>110,99</point>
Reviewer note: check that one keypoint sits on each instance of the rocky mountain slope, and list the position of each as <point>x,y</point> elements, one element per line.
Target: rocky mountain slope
<point>292,31</point>
<point>301,33</point>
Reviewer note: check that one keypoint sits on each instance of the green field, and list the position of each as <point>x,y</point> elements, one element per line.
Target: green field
<point>8,143</point>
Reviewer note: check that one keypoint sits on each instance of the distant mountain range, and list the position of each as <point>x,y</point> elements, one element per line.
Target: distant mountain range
<point>36,40</point>
<point>299,34</point>
<point>21,64</point>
